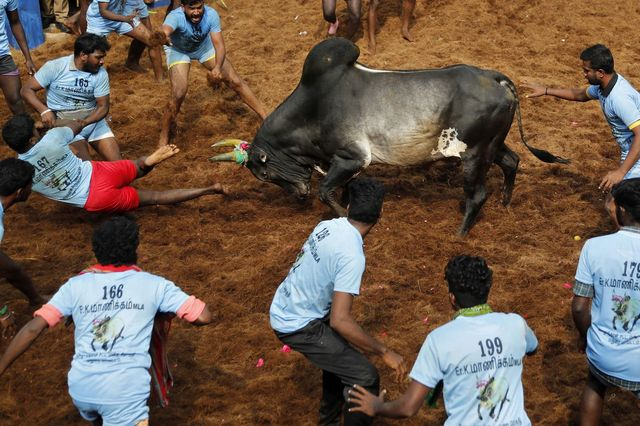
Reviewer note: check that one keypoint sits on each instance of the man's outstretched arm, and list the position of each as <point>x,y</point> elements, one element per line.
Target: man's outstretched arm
<point>23,340</point>
<point>18,278</point>
<point>569,94</point>
<point>406,406</point>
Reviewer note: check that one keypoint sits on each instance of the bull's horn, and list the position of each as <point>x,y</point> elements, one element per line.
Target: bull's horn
<point>228,142</point>
<point>237,156</point>
<point>222,4</point>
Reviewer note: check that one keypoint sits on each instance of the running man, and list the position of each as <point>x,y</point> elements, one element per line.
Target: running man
<point>96,186</point>
<point>407,11</point>
<point>136,48</point>
<point>478,355</point>
<point>108,16</point>
<point>113,305</point>
<point>620,104</point>
<point>311,310</point>
<point>77,88</point>
<point>329,13</point>
<point>194,33</point>
<point>9,74</point>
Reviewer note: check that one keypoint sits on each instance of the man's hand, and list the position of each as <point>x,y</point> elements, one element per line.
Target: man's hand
<point>130,18</point>
<point>395,361</point>
<point>8,325</point>
<point>365,402</point>
<point>611,179</point>
<point>31,67</point>
<point>216,74</point>
<point>582,343</point>
<point>537,90</point>
<point>49,119</point>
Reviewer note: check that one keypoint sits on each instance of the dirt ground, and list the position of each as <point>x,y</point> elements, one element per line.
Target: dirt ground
<point>233,251</point>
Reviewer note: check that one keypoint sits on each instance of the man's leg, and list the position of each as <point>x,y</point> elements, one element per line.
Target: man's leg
<point>81,150</point>
<point>61,10</point>
<point>373,23</point>
<point>407,11</point>
<point>179,80</point>
<point>108,148</point>
<point>142,34</point>
<point>332,401</point>
<point>136,49</point>
<point>354,18</point>
<point>592,401</point>
<point>10,86</point>
<point>235,82</point>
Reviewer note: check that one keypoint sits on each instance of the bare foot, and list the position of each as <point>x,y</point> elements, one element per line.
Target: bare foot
<point>406,34</point>
<point>219,189</point>
<point>161,154</point>
<point>135,67</point>
<point>372,47</point>
<point>333,28</point>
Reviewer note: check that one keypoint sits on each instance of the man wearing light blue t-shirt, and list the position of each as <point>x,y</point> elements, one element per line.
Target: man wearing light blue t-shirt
<point>478,356</point>
<point>608,279</point>
<point>77,88</point>
<point>620,103</point>
<point>113,305</point>
<point>311,310</point>
<point>193,33</point>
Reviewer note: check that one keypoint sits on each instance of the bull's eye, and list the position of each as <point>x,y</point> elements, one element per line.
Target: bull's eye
<point>264,175</point>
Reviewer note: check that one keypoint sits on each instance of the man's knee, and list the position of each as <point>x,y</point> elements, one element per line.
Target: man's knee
<point>368,377</point>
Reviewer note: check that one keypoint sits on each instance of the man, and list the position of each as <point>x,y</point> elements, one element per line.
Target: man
<point>620,103</point>
<point>77,88</point>
<point>16,177</point>
<point>329,13</point>
<point>194,34</point>
<point>113,305</point>
<point>56,12</point>
<point>478,356</point>
<point>407,11</point>
<point>607,277</point>
<point>96,186</point>
<point>311,310</point>
<point>108,16</point>
<point>136,48</point>
<point>9,74</point>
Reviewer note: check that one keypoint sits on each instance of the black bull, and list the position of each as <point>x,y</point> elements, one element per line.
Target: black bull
<point>344,116</point>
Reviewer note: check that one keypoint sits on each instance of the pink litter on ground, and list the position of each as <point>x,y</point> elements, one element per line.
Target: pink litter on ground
<point>260,363</point>
<point>425,321</point>
<point>286,349</point>
<point>567,286</point>
<point>525,316</point>
<point>384,333</point>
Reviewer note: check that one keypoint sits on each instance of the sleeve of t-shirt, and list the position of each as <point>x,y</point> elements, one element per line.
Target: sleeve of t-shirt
<point>102,84</point>
<point>63,300</point>
<point>215,22</point>
<point>46,74</point>
<point>172,21</point>
<point>171,297</point>
<point>426,369</point>
<point>530,338</point>
<point>584,275</point>
<point>349,274</point>
<point>11,6</point>
<point>628,111</point>
<point>592,92</point>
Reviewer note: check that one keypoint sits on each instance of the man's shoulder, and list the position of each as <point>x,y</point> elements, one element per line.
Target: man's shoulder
<point>623,88</point>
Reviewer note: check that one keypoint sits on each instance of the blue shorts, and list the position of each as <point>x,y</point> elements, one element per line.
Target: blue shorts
<point>93,132</point>
<point>126,414</point>
<point>104,27</point>
<point>133,5</point>
<point>205,52</point>
<point>634,171</point>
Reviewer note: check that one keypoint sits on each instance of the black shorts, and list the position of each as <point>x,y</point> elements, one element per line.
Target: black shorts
<point>7,66</point>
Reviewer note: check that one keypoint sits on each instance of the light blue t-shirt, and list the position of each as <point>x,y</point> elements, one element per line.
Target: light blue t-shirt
<point>188,36</point>
<point>116,6</point>
<point>70,89</point>
<point>611,265</point>
<point>5,6</point>
<point>621,108</point>
<point>332,259</point>
<point>480,361</point>
<point>113,314</point>
<point>60,175</point>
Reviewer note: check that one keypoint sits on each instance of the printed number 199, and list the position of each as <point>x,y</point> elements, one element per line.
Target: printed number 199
<point>490,346</point>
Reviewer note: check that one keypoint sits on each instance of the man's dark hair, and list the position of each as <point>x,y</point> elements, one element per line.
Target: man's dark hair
<point>627,195</point>
<point>115,241</point>
<point>15,174</point>
<point>365,200</point>
<point>88,43</point>
<point>190,2</point>
<point>17,132</point>
<point>469,279</point>
<point>599,56</point>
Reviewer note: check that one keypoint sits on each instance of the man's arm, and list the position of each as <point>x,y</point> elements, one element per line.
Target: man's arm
<point>112,16</point>
<point>342,322</point>
<point>204,318</point>
<point>581,311</point>
<point>101,111</point>
<point>18,278</point>
<point>218,44</point>
<point>406,406</point>
<point>168,30</point>
<point>29,91</point>
<point>18,33</point>
<point>618,174</point>
<point>569,94</point>
<point>23,340</point>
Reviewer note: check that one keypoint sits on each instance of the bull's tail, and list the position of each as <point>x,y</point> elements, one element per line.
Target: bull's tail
<point>541,154</point>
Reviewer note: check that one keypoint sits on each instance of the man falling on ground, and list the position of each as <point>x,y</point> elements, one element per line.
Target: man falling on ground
<point>193,33</point>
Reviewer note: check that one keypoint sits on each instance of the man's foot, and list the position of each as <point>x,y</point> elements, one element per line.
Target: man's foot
<point>73,23</point>
<point>161,154</point>
<point>406,34</point>
<point>333,28</point>
<point>135,67</point>
<point>218,189</point>
<point>372,47</point>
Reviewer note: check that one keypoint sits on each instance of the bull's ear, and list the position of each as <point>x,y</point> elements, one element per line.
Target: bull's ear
<point>263,157</point>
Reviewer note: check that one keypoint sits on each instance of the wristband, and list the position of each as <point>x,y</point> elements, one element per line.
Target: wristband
<point>44,112</point>
<point>4,310</point>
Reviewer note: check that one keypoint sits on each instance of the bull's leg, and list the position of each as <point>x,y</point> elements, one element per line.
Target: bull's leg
<point>502,403</point>
<point>340,172</point>
<point>508,162</point>
<point>475,173</point>
<point>614,323</point>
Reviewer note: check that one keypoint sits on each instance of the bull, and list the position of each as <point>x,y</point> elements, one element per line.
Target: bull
<point>343,116</point>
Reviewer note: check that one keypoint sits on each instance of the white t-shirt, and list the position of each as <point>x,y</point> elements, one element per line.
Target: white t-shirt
<point>60,175</point>
<point>611,265</point>
<point>332,259</point>
<point>480,361</point>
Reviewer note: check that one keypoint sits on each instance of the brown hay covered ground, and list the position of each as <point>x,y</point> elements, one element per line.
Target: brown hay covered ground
<point>234,251</point>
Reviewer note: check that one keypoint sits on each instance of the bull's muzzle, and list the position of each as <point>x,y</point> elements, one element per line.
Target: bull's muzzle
<point>239,154</point>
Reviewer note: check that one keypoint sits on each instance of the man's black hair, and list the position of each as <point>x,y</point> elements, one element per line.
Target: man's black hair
<point>15,174</point>
<point>88,43</point>
<point>115,241</point>
<point>17,132</point>
<point>469,279</point>
<point>365,200</point>
<point>599,56</point>
<point>627,195</point>
<point>190,2</point>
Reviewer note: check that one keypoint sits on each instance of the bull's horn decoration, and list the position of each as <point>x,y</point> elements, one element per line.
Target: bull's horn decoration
<point>238,155</point>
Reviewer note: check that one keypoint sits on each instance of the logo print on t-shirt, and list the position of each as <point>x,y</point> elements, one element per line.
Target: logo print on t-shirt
<point>106,332</point>
<point>626,310</point>
<point>493,394</point>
